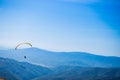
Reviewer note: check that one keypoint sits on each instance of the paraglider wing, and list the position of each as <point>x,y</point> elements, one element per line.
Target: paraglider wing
<point>22,44</point>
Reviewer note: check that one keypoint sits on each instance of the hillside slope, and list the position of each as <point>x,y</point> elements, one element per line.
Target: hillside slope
<point>13,70</point>
<point>80,73</point>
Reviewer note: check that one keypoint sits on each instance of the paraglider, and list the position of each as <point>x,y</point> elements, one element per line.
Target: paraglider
<point>23,44</point>
<point>25,57</point>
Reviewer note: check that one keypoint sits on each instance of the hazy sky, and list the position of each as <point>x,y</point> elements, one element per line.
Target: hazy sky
<point>62,25</point>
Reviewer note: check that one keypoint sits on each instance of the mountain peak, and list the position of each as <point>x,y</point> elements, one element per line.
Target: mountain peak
<point>33,49</point>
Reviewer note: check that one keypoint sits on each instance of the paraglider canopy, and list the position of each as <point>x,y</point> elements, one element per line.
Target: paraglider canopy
<point>26,43</point>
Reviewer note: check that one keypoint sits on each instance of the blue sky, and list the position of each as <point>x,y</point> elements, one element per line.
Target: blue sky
<point>62,25</point>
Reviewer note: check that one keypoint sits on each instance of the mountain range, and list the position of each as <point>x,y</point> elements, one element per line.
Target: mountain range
<point>14,70</point>
<point>55,59</point>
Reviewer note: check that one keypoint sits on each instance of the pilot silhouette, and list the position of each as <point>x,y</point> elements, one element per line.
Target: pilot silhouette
<point>25,57</point>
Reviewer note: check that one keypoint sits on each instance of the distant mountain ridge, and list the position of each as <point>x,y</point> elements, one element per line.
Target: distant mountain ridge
<point>4,48</point>
<point>54,59</point>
